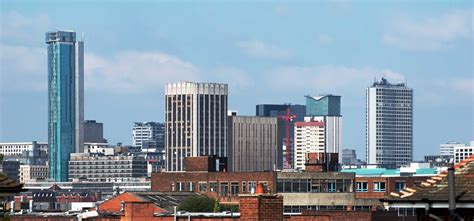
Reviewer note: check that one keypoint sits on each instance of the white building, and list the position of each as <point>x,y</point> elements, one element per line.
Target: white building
<point>332,133</point>
<point>33,173</point>
<point>309,138</point>
<point>148,134</point>
<point>16,149</point>
<point>463,152</point>
<point>389,124</point>
<point>99,148</point>
<point>195,120</point>
<point>448,148</point>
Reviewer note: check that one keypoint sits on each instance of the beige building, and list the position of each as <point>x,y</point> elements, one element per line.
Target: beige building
<point>309,138</point>
<point>32,173</point>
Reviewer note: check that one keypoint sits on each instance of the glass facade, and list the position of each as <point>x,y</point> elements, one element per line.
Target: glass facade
<point>327,105</point>
<point>61,102</point>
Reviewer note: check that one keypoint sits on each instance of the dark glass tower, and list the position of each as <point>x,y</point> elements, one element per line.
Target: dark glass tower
<point>64,100</point>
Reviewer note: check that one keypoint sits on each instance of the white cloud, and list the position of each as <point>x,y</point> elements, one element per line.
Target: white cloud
<point>430,34</point>
<point>19,29</point>
<point>328,78</point>
<point>463,85</point>
<point>237,79</point>
<point>325,39</point>
<point>133,71</point>
<point>23,68</point>
<point>262,50</point>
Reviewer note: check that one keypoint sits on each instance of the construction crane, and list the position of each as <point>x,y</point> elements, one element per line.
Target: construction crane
<point>288,118</point>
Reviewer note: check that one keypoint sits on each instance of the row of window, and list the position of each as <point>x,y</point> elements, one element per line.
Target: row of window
<point>225,188</point>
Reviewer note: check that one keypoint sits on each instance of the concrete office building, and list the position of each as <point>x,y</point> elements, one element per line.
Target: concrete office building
<point>99,168</point>
<point>327,109</point>
<point>447,149</point>
<point>65,100</point>
<point>196,121</point>
<point>94,132</point>
<point>463,152</point>
<point>149,135</point>
<point>33,173</point>
<point>349,157</point>
<point>309,138</point>
<point>280,110</point>
<point>10,168</point>
<point>389,123</point>
<point>254,144</point>
<point>17,149</point>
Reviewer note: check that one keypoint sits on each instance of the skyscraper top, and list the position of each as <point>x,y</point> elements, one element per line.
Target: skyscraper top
<point>196,88</point>
<point>319,97</point>
<point>60,36</point>
<point>384,83</point>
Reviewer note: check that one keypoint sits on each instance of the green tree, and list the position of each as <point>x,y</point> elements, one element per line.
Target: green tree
<point>217,205</point>
<point>197,204</point>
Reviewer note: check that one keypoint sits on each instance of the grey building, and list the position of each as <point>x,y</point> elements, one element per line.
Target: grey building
<point>149,135</point>
<point>11,169</point>
<point>65,100</point>
<point>254,144</point>
<point>101,168</point>
<point>389,123</point>
<point>94,132</point>
<point>349,157</point>
<point>195,121</point>
<point>280,110</point>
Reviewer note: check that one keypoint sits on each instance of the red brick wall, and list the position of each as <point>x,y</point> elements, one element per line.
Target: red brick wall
<point>138,211</point>
<point>266,208</point>
<point>162,181</point>
<point>196,164</point>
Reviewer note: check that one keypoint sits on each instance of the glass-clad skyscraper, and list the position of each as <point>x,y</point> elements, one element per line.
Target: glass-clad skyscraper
<point>65,90</point>
<point>389,124</point>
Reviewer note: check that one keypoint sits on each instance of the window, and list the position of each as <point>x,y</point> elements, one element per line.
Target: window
<point>191,187</point>
<point>331,186</point>
<point>202,187</point>
<point>252,186</point>
<point>213,186</point>
<point>180,186</point>
<point>379,186</point>
<point>244,187</point>
<point>399,185</point>
<point>361,186</point>
<point>224,189</point>
<point>234,188</point>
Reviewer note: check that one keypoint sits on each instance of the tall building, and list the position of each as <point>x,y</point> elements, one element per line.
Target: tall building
<point>65,100</point>
<point>309,138</point>
<point>148,135</point>
<point>349,157</point>
<point>195,121</point>
<point>327,109</point>
<point>389,124</point>
<point>93,132</point>
<point>280,110</point>
<point>447,149</point>
<point>254,144</point>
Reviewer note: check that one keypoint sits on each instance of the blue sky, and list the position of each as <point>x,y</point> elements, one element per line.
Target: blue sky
<point>268,52</point>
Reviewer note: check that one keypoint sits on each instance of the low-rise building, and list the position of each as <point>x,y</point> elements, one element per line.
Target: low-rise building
<point>11,149</point>
<point>11,169</point>
<point>463,152</point>
<point>107,168</point>
<point>33,173</point>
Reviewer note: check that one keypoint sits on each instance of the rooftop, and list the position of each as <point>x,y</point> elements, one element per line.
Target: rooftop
<point>388,172</point>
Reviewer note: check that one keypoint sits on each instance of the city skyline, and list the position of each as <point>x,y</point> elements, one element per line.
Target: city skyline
<point>251,62</point>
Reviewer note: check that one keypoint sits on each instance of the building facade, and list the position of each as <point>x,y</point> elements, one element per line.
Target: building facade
<point>94,132</point>
<point>33,173</point>
<point>65,100</point>
<point>463,152</point>
<point>17,149</point>
<point>389,124</point>
<point>327,109</point>
<point>149,135</point>
<point>309,138</point>
<point>280,110</point>
<point>195,121</point>
<point>349,157</point>
<point>254,144</point>
<point>447,149</point>
<point>107,168</point>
